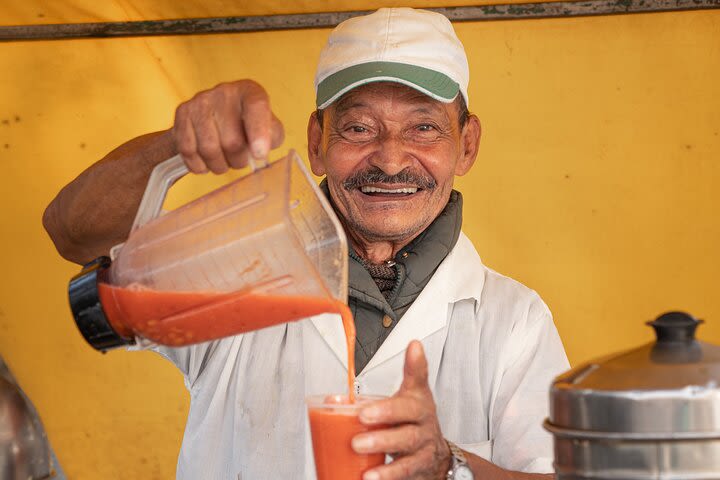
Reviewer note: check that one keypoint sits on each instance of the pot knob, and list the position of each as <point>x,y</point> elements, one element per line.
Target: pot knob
<point>675,327</point>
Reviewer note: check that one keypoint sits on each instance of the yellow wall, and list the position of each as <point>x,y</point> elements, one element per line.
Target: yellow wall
<point>596,184</point>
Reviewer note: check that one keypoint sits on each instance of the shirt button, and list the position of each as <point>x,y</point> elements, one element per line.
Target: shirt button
<point>387,321</point>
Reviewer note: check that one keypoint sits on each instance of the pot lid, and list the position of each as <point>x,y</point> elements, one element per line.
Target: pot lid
<point>669,386</point>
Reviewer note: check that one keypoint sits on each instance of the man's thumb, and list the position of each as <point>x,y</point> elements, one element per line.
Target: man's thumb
<point>415,373</point>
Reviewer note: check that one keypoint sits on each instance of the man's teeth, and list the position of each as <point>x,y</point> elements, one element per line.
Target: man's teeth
<point>388,190</point>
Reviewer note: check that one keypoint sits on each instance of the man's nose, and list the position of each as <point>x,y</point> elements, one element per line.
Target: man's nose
<point>392,155</point>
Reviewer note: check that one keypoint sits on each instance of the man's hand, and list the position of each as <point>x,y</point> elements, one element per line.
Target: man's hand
<point>215,130</point>
<point>414,438</point>
<point>222,127</point>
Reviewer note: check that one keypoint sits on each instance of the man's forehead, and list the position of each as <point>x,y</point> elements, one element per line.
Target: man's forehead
<point>366,95</point>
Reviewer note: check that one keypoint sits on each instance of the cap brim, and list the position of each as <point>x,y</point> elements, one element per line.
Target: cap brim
<point>430,82</point>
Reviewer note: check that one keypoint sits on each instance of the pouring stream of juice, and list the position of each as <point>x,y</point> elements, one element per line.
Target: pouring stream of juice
<point>182,318</point>
<point>349,327</point>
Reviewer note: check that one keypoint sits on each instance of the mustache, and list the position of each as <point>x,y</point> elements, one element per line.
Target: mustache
<point>375,175</point>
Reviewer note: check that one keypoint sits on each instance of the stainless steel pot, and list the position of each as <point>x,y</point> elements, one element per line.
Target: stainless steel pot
<point>648,413</point>
<point>24,450</point>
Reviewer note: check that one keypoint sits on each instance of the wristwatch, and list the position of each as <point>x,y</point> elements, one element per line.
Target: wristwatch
<point>459,469</point>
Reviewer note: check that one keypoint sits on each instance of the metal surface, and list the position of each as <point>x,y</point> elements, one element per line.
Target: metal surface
<point>649,413</point>
<point>665,387</point>
<point>691,410</point>
<point>559,432</point>
<point>632,460</point>
<point>24,449</point>
<point>195,26</point>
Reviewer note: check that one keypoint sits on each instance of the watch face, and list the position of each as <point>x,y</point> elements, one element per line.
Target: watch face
<point>463,472</point>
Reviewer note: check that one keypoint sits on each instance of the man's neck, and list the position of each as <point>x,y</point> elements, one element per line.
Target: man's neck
<point>375,252</point>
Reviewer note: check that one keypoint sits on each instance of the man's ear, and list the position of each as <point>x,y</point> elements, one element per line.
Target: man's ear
<point>469,142</point>
<point>314,135</point>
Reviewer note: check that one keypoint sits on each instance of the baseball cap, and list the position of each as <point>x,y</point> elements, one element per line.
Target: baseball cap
<point>417,48</point>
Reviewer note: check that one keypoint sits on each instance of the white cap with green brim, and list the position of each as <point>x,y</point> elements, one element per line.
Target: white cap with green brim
<point>417,48</point>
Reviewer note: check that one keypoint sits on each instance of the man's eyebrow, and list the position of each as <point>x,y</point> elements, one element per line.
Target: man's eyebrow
<point>344,106</point>
<point>431,110</point>
<point>425,109</point>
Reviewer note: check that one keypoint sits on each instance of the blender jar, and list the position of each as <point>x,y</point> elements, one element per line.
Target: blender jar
<point>262,250</point>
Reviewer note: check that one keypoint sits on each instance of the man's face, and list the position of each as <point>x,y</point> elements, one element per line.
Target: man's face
<point>390,154</point>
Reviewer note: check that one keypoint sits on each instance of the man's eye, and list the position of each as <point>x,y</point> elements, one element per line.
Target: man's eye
<point>425,127</point>
<point>357,133</point>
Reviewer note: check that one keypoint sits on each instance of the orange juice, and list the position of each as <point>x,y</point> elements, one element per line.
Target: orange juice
<point>333,423</point>
<point>179,318</point>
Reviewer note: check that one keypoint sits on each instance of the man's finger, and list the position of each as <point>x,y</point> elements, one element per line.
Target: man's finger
<point>415,373</point>
<point>185,142</point>
<point>208,141</point>
<point>403,439</point>
<point>395,410</point>
<point>232,137</point>
<point>402,468</point>
<point>278,132</point>
<point>257,120</point>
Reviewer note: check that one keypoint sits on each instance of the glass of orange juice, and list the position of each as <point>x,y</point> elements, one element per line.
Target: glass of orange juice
<point>333,423</point>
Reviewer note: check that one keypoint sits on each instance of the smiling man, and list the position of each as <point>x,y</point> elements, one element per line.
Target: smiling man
<point>390,133</point>
<point>390,154</point>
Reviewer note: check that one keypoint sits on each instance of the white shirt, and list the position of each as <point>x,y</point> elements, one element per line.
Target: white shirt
<point>492,352</point>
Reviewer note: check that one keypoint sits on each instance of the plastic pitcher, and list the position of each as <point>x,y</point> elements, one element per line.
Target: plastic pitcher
<point>264,249</point>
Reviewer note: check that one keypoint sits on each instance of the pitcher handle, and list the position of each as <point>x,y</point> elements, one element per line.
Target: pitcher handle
<point>163,176</point>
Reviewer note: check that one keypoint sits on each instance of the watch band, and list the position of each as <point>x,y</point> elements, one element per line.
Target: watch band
<point>459,462</point>
<point>456,452</point>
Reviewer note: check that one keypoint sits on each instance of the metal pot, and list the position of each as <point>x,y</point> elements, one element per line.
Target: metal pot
<point>648,413</point>
<point>24,450</point>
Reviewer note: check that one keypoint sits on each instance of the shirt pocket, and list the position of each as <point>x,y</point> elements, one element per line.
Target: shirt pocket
<point>481,449</point>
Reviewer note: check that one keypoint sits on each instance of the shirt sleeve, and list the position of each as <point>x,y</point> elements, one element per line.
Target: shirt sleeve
<point>533,357</point>
<point>192,360</point>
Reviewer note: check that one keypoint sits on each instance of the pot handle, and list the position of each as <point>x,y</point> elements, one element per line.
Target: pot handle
<point>163,176</point>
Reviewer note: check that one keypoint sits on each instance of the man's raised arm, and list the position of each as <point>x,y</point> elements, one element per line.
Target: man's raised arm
<point>215,130</point>
<point>96,210</point>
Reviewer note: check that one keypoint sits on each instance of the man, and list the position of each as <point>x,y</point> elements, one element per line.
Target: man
<point>391,131</point>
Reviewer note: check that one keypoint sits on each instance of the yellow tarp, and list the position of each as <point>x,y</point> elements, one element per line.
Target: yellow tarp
<point>596,184</point>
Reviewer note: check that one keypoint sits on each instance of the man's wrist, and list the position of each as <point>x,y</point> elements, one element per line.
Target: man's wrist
<point>459,468</point>
<point>446,461</point>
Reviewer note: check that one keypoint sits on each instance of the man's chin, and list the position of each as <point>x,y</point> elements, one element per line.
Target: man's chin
<point>386,230</point>
<point>397,221</point>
